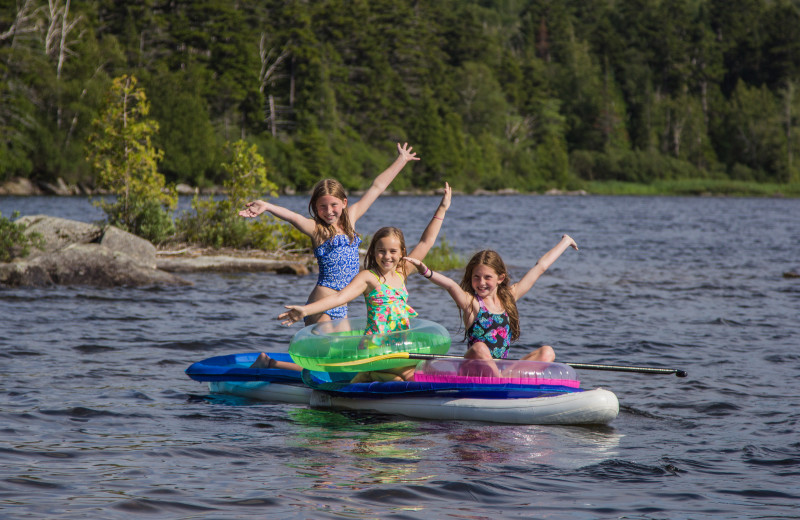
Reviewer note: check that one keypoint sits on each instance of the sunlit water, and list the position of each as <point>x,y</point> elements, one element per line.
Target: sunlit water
<point>98,420</point>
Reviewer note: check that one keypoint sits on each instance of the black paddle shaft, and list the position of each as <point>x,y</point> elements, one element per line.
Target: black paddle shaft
<point>617,368</point>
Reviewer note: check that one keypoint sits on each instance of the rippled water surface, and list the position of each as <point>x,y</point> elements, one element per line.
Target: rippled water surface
<point>98,420</point>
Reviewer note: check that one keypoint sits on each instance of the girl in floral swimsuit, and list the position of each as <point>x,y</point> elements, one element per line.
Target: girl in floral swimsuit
<point>333,235</point>
<point>382,283</point>
<point>487,301</point>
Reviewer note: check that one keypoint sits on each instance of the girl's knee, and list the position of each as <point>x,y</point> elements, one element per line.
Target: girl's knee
<point>478,351</point>
<point>544,353</point>
<point>547,353</point>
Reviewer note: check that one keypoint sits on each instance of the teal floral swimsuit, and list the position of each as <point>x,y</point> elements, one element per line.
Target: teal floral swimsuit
<point>387,309</point>
<point>492,329</point>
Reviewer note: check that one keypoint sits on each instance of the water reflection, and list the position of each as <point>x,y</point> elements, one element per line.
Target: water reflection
<point>379,449</point>
<point>559,446</point>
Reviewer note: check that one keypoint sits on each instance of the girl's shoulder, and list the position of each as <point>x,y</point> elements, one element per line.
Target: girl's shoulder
<point>371,279</point>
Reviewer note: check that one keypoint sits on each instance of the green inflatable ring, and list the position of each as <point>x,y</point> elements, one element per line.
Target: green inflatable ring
<point>343,340</point>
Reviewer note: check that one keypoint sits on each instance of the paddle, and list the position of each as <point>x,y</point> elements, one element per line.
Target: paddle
<point>580,366</point>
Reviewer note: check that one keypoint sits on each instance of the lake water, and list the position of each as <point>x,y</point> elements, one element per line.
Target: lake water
<point>98,420</point>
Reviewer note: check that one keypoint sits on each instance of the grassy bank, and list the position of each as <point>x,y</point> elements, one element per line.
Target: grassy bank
<point>695,187</point>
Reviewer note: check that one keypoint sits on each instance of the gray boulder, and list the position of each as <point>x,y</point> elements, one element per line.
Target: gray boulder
<point>137,248</point>
<point>85,264</point>
<point>77,253</point>
<point>58,233</point>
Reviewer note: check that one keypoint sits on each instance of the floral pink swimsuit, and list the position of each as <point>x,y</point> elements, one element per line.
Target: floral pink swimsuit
<point>492,329</point>
<point>387,309</point>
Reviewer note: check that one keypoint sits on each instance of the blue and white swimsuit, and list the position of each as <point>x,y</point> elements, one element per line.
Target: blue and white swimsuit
<point>337,258</point>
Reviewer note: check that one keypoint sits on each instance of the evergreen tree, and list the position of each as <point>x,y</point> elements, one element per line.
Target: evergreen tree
<point>121,152</point>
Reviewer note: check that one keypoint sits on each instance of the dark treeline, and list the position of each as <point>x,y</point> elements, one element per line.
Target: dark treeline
<point>526,94</point>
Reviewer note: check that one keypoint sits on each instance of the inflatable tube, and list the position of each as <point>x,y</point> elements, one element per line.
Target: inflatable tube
<point>496,372</point>
<point>330,383</point>
<point>343,340</point>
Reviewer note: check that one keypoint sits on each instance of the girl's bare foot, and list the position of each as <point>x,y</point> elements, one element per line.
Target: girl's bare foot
<point>263,361</point>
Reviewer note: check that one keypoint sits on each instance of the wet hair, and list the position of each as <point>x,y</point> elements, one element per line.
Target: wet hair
<point>324,231</point>
<point>492,260</point>
<point>370,262</point>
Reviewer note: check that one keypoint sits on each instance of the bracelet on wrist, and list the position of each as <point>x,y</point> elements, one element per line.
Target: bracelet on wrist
<point>429,272</point>
<point>438,218</point>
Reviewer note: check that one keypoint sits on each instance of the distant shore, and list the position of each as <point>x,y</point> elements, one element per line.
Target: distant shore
<point>691,187</point>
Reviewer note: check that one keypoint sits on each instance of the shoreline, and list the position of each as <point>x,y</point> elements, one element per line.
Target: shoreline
<point>633,190</point>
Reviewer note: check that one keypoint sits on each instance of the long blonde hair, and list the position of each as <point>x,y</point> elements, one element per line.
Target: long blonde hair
<point>322,230</point>
<point>370,262</point>
<point>492,260</point>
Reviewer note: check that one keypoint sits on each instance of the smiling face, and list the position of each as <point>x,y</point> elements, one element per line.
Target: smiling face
<point>388,253</point>
<point>485,280</point>
<point>329,209</point>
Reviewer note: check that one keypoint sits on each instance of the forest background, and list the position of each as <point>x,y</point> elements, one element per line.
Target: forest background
<point>492,94</point>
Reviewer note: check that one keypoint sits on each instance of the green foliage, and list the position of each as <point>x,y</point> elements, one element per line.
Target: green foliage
<point>14,242</point>
<point>270,234</point>
<point>126,163</point>
<point>757,136</point>
<point>631,166</point>
<point>443,257</point>
<point>143,217</point>
<point>216,223</point>
<point>186,135</point>
<point>491,94</point>
<point>694,187</point>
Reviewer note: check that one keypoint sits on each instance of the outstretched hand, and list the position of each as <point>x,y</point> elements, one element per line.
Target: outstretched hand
<point>292,316</point>
<point>253,209</point>
<point>448,194</point>
<point>405,152</point>
<point>572,243</point>
<point>421,268</point>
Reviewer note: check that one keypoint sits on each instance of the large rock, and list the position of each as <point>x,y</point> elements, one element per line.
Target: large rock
<point>58,233</point>
<point>77,253</point>
<point>84,264</point>
<point>137,248</point>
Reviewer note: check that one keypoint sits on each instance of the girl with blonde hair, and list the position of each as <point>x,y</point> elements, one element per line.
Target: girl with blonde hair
<point>332,229</point>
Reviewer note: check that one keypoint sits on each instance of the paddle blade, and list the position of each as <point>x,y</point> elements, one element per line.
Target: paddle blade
<point>393,355</point>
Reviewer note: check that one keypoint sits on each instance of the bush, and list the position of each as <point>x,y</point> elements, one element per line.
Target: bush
<point>216,223</point>
<point>443,257</point>
<point>145,218</point>
<point>14,242</point>
<point>270,234</point>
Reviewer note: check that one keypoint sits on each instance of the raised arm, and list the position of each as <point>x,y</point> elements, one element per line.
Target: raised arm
<point>381,182</point>
<point>257,207</point>
<point>524,285</point>
<point>432,230</point>
<point>462,299</point>
<point>356,287</point>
